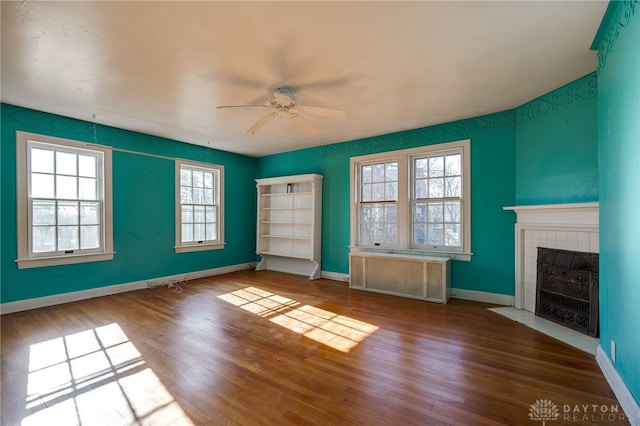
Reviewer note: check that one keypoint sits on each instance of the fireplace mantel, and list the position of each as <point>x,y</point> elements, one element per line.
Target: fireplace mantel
<point>578,214</point>
<point>560,226</point>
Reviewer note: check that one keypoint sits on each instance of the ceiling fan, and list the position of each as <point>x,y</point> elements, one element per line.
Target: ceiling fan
<point>284,105</point>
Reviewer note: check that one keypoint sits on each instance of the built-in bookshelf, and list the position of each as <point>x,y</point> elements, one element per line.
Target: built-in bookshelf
<point>289,224</point>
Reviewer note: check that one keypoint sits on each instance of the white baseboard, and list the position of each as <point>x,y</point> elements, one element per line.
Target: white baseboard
<point>627,401</point>
<point>57,299</point>
<point>482,296</point>
<point>336,276</point>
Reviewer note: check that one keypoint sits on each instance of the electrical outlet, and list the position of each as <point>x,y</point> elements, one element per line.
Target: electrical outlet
<point>613,350</point>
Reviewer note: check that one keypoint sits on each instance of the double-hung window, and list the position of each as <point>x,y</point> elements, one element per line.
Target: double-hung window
<point>64,201</point>
<point>199,206</point>
<point>413,201</point>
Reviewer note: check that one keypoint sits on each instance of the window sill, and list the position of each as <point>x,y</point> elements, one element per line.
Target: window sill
<point>199,247</point>
<point>39,262</point>
<point>463,256</point>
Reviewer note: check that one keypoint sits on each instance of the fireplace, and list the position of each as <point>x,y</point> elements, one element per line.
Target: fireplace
<point>567,289</point>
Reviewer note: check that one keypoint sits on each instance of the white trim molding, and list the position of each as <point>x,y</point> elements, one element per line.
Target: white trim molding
<point>559,226</point>
<point>627,401</point>
<point>482,296</point>
<point>57,299</point>
<point>336,276</point>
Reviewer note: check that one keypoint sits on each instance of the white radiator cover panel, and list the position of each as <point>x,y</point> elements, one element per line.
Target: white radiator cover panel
<point>417,277</point>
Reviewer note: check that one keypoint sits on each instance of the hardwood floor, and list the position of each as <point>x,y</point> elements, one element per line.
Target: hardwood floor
<point>265,348</point>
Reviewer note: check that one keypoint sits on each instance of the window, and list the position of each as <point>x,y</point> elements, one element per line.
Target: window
<point>64,201</point>
<point>199,209</point>
<point>414,201</point>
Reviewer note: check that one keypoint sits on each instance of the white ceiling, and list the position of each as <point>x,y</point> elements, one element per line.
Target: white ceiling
<point>162,67</point>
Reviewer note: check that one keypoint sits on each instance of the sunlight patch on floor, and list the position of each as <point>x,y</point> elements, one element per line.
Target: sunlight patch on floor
<point>96,377</point>
<point>337,331</point>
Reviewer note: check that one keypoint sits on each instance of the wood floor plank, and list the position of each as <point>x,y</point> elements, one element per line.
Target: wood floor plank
<point>266,348</point>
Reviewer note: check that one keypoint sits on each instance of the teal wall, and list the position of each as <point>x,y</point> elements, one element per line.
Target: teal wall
<point>557,146</point>
<point>492,188</point>
<point>516,158</point>
<point>143,209</point>
<point>619,155</point>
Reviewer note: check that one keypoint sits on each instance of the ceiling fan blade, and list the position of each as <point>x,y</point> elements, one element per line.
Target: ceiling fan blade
<point>262,122</point>
<point>322,112</point>
<point>303,125</point>
<point>243,106</point>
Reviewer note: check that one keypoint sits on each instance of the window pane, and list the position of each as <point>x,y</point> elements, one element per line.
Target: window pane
<point>452,211</point>
<point>378,172</point>
<point>435,212</point>
<point>198,232</point>
<point>453,187</point>
<point>66,163</point>
<point>208,180</point>
<point>41,160</point>
<point>391,191</point>
<point>420,234</point>
<point>453,164</point>
<point>211,232</point>
<point>198,214</point>
<point>392,171</point>
<point>68,238</point>
<point>89,237</point>
<point>88,189</point>
<point>435,234</point>
<point>185,177</point>
<point>420,212</point>
<point>198,196</point>
<point>421,168</point>
<point>198,179</point>
<point>210,214</point>
<point>208,196</point>
<point>187,214</point>
<point>366,174</point>
<point>44,213</point>
<point>366,193</point>
<point>87,166</point>
<point>66,187</point>
<point>391,214</point>
<point>421,188</point>
<point>185,195</point>
<point>187,232</point>
<point>42,186</point>
<point>436,166</point>
<point>436,188</point>
<point>67,213</point>
<point>377,192</point>
<point>89,213</point>
<point>452,235</point>
<point>44,239</point>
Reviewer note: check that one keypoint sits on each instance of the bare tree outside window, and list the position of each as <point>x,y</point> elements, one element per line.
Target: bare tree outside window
<point>378,204</point>
<point>437,201</point>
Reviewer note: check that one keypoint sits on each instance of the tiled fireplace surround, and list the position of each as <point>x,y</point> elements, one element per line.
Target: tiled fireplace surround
<point>559,226</point>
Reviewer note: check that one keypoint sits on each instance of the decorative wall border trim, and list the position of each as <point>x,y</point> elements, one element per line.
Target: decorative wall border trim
<point>615,20</point>
<point>583,89</point>
<point>627,401</point>
<point>57,299</point>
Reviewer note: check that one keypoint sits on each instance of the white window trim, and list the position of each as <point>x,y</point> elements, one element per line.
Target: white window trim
<point>22,204</point>
<point>404,158</point>
<point>219,190</point>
